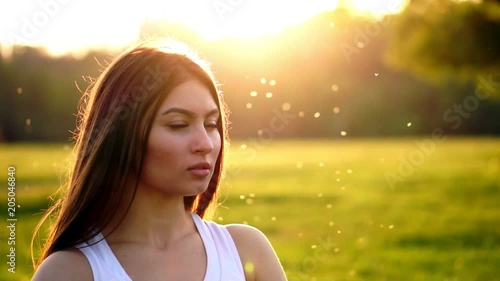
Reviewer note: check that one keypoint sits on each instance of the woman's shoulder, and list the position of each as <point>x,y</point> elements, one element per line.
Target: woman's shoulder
<point>64,265</point>
<point>249,239</point>
<point>256,253</point>
<point>244,231</point>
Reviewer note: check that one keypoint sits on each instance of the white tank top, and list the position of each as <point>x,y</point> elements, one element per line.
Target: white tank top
<point>223,261</point>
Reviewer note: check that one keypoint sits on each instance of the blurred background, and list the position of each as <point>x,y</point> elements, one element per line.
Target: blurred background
<point>365,133</point>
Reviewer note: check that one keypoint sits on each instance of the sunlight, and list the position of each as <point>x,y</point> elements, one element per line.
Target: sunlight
<point>62,26</point>
<point>378,7</point>
<point>218,19</point>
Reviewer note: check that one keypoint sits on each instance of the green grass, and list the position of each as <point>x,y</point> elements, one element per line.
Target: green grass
<point>327,207</point>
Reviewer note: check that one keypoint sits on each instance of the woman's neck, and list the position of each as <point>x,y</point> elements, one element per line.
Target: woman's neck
<point>154,219</point>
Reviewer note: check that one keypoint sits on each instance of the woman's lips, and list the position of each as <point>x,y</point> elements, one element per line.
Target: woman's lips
<point>201,169</point>
<point>200,172</point>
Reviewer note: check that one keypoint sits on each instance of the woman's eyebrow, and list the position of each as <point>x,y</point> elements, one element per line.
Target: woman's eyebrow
<point>188,112</point>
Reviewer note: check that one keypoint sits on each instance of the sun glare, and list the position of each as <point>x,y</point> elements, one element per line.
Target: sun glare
<point>378,7</point>
<point>62,26</point>
<point>230,18</point>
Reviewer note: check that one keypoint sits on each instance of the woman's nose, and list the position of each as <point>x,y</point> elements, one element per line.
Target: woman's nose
<point>201,141</point>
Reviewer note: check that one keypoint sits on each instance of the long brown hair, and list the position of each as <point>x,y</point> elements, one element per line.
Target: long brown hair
<point>115,118</point>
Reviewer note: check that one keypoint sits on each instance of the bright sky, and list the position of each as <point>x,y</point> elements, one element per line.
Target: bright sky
<point>63,25</point>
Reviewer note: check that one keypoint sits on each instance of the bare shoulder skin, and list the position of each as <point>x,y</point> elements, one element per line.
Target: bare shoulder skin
<point>64,265</point>
<point>257,255</point>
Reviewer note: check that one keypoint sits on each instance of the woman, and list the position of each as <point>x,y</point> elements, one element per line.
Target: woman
<point>149,157</point>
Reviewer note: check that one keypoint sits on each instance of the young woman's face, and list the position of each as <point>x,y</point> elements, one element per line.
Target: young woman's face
<point>184,142</point>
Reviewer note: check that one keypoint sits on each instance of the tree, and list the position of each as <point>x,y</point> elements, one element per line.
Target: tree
<point>439,40</point>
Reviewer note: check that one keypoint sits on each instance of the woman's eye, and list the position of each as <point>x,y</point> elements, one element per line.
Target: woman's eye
<point>211,124</point>
<point>177,125</point>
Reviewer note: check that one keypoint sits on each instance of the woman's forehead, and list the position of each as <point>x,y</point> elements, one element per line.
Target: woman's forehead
<point>192,95</point>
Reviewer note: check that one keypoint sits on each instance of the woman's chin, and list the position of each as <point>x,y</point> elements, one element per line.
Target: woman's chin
<point>197,190</point>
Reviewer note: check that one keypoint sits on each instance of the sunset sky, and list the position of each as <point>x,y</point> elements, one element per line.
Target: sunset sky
<point>75,25</point>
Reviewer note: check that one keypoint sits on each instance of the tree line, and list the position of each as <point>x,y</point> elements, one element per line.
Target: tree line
<point>434,65</point>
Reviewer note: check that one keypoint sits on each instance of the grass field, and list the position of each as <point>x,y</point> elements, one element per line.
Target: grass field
<point>327,206</point>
